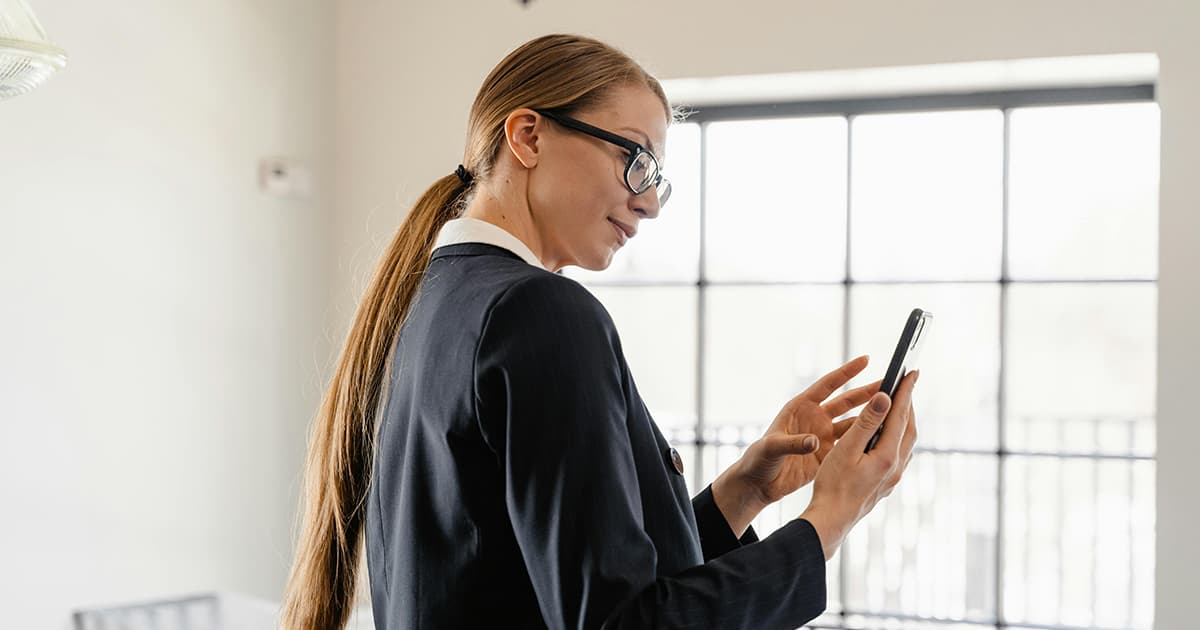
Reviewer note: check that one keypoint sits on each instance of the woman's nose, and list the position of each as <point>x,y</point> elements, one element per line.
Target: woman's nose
<point>646,204</point>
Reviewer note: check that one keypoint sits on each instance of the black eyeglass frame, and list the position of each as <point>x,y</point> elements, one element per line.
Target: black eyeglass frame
<point>634,148</point>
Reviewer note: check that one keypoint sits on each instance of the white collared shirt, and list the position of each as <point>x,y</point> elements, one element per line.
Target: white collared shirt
<point>472,230</point>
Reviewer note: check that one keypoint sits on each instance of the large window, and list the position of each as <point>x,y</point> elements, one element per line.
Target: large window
<point>800,235</point>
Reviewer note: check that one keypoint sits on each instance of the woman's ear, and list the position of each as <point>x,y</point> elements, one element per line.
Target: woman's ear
<point>521,131</point>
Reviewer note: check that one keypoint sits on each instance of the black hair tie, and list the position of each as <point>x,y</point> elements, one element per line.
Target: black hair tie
<point>463,175</point>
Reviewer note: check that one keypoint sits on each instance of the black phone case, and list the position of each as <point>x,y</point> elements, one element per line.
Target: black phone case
<point>917,320</point>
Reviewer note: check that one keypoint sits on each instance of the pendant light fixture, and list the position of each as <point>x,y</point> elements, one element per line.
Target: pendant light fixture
<point>27,58</point>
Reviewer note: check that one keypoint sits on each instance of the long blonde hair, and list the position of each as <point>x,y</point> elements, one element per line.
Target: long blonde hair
<point>566,72</point>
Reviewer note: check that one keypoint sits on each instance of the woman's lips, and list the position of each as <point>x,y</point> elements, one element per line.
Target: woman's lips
<point>621,237</point>
<point>626,231</point>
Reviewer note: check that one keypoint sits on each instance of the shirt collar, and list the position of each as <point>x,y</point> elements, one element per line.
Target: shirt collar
<point>472,230</point>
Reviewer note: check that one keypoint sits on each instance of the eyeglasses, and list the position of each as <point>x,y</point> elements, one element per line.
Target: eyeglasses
<point>641,169</point>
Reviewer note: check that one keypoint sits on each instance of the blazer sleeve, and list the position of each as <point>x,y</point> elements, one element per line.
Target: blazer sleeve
<point>716,536</point>
<point>552,406</point>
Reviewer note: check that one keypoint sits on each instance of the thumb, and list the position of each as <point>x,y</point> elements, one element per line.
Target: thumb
<point>868,422</point>
<point>782,445</point>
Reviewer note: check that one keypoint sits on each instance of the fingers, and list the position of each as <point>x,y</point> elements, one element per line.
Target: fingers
<point>851,399</point>
<point>910,434</point>
<point>835,380</point>
<point>906,446</point>
<point>840,427</point>
<point>782,444</point>
<point>859,433</point>
<point>897,418</point>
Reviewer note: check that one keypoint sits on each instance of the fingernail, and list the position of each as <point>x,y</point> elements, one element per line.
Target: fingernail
<point>879,403</point>
<point>916,375</point>
<point>810,442</point>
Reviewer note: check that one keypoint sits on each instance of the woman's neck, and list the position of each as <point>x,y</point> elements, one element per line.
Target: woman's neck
<point>511,213</point>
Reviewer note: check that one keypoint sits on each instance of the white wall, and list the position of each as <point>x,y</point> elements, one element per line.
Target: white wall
<point>161,321</point>
<point>408,71</point>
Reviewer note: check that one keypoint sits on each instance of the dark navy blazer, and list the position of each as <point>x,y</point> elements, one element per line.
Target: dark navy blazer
<point>520,482</point>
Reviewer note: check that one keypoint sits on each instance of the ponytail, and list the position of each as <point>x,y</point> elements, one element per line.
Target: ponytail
<point>320,590</point>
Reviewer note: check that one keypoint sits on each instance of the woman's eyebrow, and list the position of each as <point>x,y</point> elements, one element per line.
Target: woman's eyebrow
<point>645,138</point>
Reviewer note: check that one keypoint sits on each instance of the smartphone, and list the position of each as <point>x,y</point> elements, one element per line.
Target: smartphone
<point>904,359</point>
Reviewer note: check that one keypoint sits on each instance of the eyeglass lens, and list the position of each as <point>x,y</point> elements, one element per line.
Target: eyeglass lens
<point>642,174</point>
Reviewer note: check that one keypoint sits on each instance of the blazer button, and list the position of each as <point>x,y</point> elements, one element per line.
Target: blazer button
<point>676,460</point>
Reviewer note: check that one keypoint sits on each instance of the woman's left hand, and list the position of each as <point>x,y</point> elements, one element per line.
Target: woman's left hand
<point>781,461</point>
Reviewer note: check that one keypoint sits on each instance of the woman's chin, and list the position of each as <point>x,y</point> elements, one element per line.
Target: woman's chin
<point>598,262</point>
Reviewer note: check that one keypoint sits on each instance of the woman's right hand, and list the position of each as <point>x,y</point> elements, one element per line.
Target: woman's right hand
<point>850,482</point>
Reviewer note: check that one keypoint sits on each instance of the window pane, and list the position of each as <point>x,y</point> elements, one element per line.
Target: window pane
<point>956,400</point>
<point>866,622</point>
<point>830,618</point>
<point>714,459</point>
<point>929,548</point>
<point>925,200</point>
<point>667,248</point>
<point>1084,192</point>
<point>1079,542</point>
<point>776,200</point>
<point>657,326</point>
<point>765,345</point>
<point>1142,514</point>
<point>1080,374</point>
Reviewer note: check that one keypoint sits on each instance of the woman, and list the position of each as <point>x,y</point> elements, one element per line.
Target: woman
<point>484,434</point>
